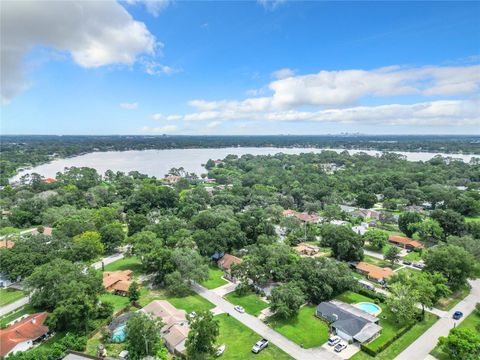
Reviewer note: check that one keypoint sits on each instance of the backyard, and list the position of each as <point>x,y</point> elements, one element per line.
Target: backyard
<point>378,262</point>
<point>128,263</point>
<point>250,302</point>
<point>305,329</point>
<point>8,296</point>
<point>239,341</point>
<point>215,278</point>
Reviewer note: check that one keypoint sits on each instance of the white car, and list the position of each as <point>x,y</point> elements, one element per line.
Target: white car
<point>220,350</point>
<point>334,340</point>
<point>340,346</point>
<point>259,346</point>
<point>240,309</point>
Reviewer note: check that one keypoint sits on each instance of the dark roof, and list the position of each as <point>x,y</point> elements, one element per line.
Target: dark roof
<point>217,256</point>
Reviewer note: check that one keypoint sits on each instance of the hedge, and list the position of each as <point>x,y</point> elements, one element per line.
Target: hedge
<point>371,294</point>
<point>372,352</point>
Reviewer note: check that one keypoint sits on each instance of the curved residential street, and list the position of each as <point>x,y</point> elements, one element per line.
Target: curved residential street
<point>427,342</point>
<point>263,330</point>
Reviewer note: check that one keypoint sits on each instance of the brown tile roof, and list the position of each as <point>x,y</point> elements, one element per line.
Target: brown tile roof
<point>301,216</point>
<point>166,311</point>
<point>6,244</point>
<point>117,280</point>
<point>176,334</point>
<point>227,260</point>
<point>405,240</point>
<point>374,271</point>
<point>307,249</point>
<point>29,328</point>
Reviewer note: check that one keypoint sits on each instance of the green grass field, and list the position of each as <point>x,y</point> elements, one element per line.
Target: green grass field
<point>214,278</point>
<point>472,219</point>
<point>119,302</point>
<point>413,256</point>
<point>382,263</point>
<point>189,303</point>
<point>250,302</point>
<point>8,296</point>
<point>239,341</point>
<point>471,322</point>
<point>129,263</point>
<point>306,329</point>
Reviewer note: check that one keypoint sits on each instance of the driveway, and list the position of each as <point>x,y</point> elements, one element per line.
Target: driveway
<point>347,353</point>
<point>429,339</point>
<point>107,260</point>
<point>263,330</point>
<point>225,289</point>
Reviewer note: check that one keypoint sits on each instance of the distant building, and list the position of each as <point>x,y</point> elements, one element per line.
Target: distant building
<point>349,322</point>
<point>226,262</point>
<point>347,208</point>
<point>414,208</point>
<point>339,222</point>
<point>369,214</point>
<point>49,180</point>
<point>361,229</point>
<point>307,249</point>
<point>405,242</point>
<point>172,179</point>
<point>23,334</point>
<point>305,217</point>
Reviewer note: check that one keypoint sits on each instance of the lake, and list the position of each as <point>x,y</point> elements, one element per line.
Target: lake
<point>158,162</point>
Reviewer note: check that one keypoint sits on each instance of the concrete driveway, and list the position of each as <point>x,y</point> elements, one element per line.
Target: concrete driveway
<point>347,353</point>
<point>429,339</point>
<point>263,330</point>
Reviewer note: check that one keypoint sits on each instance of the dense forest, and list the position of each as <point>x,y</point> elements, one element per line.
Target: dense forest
<point>22,151</point>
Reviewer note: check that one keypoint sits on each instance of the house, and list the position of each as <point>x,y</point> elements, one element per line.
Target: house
<point>348,321</point>
<point>361,229</point>
<point>414,208</point>
<point>305,217</point>
<point>172,179</point>
<point>405,242</point>
<point>338,222</point>
<point>374,272</point>
<point>117,282</point>
<point>49,180</point>
<point>23,334</point>
<point>175,329</point>
<point>347,209</point>
<point>306,249</point>
<point>369,214</point>
<point>225,264</point>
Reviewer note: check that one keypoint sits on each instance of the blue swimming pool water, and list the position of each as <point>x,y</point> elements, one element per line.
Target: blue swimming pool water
<point>369,308</point>
<point>118,334</point>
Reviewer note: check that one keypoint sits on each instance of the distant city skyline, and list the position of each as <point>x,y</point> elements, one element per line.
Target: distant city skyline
<point>239,68</point>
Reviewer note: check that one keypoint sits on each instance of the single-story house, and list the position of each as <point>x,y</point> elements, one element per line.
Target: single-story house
<point>369,214</point>
<point>23,334</point>
<point>305,217</point>
<point>117,282</point>
<point>374,272</point>
<point>306,249</point>
<point>175,329</point>
<point>348,321</point>
<point>414,208</point>
<point>226,262</point>
<point>49,180</point>
<point>405,242</point>
<point>361,229</point>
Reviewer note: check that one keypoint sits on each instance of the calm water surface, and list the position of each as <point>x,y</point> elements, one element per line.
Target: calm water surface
<point>159,162</point>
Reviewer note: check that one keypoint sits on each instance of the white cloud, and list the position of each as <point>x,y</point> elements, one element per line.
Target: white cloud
<point>129,106</point>
<point>214,124</point>
<point>270,4</point>
<point>159,116</point>
<point>154,68</point>
<point>154,7</point>
<point>283,73</point>
<point>160,129</point>
<point>94,33</point>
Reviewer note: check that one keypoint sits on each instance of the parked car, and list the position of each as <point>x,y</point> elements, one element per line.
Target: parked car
<point>259,346</point>
<point>340,346</point>
<point>193,314</point>
<point>419,265</point>
<point>409,250</point>
<point>240,309</point>
<point>457,315</point>
<point>220,350</point>
<point>407,262</point>
<point>334,340</point>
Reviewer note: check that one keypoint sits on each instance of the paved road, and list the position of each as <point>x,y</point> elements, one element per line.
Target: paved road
<point>23,301</point>
<point>427,342</point>
<point>263,330</point>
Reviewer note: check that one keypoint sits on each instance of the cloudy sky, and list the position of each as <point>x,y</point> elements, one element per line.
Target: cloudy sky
<point>251,67</point>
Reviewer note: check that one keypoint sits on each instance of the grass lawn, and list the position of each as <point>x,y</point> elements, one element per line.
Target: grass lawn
<point>27,309</point>
<point>8,296</point>
<point>250,302</point>
<point>413,256</point>
<point>382,263</point>
<point>119,302</point>
<point>410,270</point>
<point>471,322</point>
<point>449,302</point>
<point>214,278</point>
<point>351,297</point>
<point>402,343</point>
<point>129,263</point>
<point>239,341</point>
<point>472,219</point>
<point>189,303</point>
<point>113,350</point>
<point>306,329</point>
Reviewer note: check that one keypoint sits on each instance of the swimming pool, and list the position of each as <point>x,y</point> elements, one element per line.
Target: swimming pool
<point>118,334</point>
<point>369,307</point>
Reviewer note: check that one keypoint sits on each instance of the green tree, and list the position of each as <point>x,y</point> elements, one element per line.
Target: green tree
<point>376,238</point>
<point>133,292</point>
<point>112,236</point>
<point>87,246</point>
<point>204,330</point>
<point>366,200</point>
<point>143,336</point>
<point>346,244</point>
<point>451,222</point>
<point>392,254</point>
<point>428,230</point>
<point>405,220</point>
<point>286,300</point>
<point>461,343</point>
<point>403,303</point>
<point>456,264</point>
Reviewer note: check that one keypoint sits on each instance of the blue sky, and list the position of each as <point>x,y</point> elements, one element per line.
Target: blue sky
<point>252,67</point>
